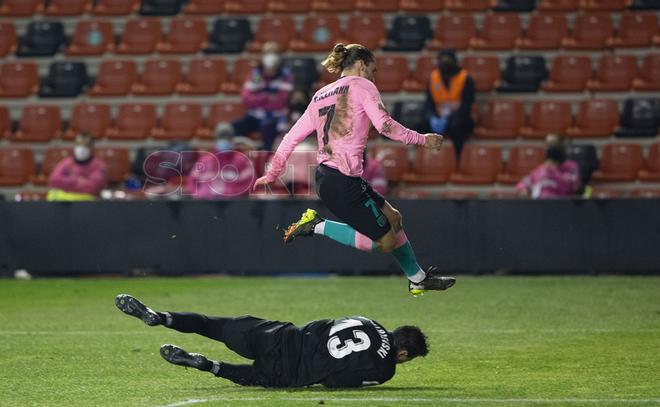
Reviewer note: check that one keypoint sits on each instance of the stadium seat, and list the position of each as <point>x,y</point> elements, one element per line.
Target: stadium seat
<point>16,166</point>
<point>484,70</point>
<point>392,72</point>
<point>205,76</point>
<point>67,7</point>
<point>65,79</point>
<point>645,193</point>
<point>432,166</point>
<point>18,79</point>
<point>180,121</point>
<point>595,118</point>
<point>421,6</point>
<point>636,30</point>
<point>280,30</point>
<point>117,163</point>
<point>467,5</point>
<point>498,31</point>
<point>501,119</point>
<point>185,36</point>
<point>651,170</point>
<point>544,31</point>
<point>453,31</point>
<point>586,157</point>
<point>319,34</point>
<point>606,193</point>
<point>221,112</point>
<point>420,76</point>
<point>134,121</point>
<point>91,38</point>
<point>590,31</point>
<point>304,71</point>
<point>326,78</point>
<point>203,7</point>
<point>159,77</point>
<point>115,7</point>
<point>548,117</point>
<point>411,114</point>
<point>619,163</point>
<point>614,73</point>
<point>160,7</point>
<point>115,78</point>
<point>42,39</point>
<point>408,33</point>
<point>7,38</point>
<point>478,165</point>
<point>603,5</point>
<point>5,122</point>
<point>289,6</point>
<point>523,74</point>
<point>412,193</point>
<point>568,74</point>
<point>557,5</point>
<point>38,123</point>
<point>522,161</point>
<point>20,8</point>
<point>393,157</point>
<point>141,35</point>
<point>639,118</point>
<point>515,5</point>
<point>241,69</point>
<point>366,29</point>
<point>52,157</point>
<point>93,119</point>
<point>333,6</point>
<point>229,35</point>
<point>246,6</point>
<point>648,79</point>
<point>384,6</point>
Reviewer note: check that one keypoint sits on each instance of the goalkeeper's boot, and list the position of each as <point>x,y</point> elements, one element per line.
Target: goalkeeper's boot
<point>132,306</point>
<point>304,227</point>
<point>178,356</point>
<point>430,282</point>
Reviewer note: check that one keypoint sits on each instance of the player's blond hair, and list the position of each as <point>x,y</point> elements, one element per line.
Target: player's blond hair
<point>344,56</point>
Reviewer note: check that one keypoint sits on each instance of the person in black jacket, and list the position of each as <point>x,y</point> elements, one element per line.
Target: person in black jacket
<point>345,352</point>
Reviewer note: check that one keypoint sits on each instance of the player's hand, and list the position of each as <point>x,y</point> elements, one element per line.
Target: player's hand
<point>433,141</point>
<point>261,181</point>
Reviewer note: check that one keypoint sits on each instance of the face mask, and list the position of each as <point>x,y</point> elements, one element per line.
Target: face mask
<point>81,153</point>
<point>270,60</point>
<point>223,145</point>
<point>556,154</point>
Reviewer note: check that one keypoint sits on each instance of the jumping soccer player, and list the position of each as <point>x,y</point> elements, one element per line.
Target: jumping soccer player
<point>346,352</point>
<point>341,114</point>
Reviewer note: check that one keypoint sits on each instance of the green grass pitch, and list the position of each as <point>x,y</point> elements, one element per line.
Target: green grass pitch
<point>592,341</point>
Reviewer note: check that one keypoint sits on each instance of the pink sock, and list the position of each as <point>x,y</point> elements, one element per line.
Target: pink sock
<point>400,239</point>
<point>364,243</point>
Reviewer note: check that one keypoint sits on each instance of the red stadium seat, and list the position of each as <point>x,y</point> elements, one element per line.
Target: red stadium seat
<point>205,76</point>
<point>20,8</point>
<point>116,7</point>
<point>393,157</point>
<point>333,6</point>
<point>544,31</point>
<point>606,193</point>
<point>391,73</point>
<point>478,165</point>
<point>522,161</point>
<point>241,70</point>
<point>484,70</point>
<point>185,36</point>
<point>412,193</point>
<point>619,163</point>
<point>289,6</point>
<point>498,31</point>
<point>636,30</point>
<point>595,118</point>
<point>38,124</point>
<point>557,5</point>
<point>159,77</point>
<point>590,31</point>
<point>7,38</point>
<point>326,78</point>
<point>221,112</point>
<point>417,6</point>
<point>117,163</point>
<point>645,193</point>
<point>366,29</point>
<point>385,6</point>
<point>103,40</point>
<point>18,79</point>
<point>94,119</point>
<point>651,170</point>
<point>52,157</point>
<point>603,5</point>
<point>467,5</point>
<point>501,119</point>
<point>246,6</point>
<point>141,35</point>
<point>276,29</point>
<point>420,76</point>
<point>115,78</point>
<point>319,34</point>
<point>453,31</point>
<point>432,166</point>
<point>5,122</point>
<point>134,121</point>
<point>180,121</point>
<point>548,117</point>
<point>67,7</point>
<point>204,7</point>
<point>568,74</point>
<point>16,166</point>
<point>614,73</point>
<point>649,75</point>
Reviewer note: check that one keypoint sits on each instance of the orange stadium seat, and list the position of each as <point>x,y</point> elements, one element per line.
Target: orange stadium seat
<point>590,31</point>
<point>385,6</point>
<point>115,78</point>
<point>568,74</point>
<point>595,118</point>
<point>557,5</point>
<point>141,35</point>
<point>278,29</point>
<point>241,70</point>
<point>116,7</point>
<point>544,31</point>
<point>501,119</point>
<point>392,72</point>
<point>334,6</point>
<point>221,112</point>
<point>649,76</point>
<point>52,157</point>
<point>606,193</point>
<point>159,77</point>
<point>484,70</point>
<point>393,157</point>
<point>7,38</point>
<point>134,121</point>
<point>522,160</point>
<point>185,36</point>
<point>651,170</point>
<point>16,166</point>
<point>478,165</point>
<point>366,29</point>
<point>117,162</point>
<point>20,8</point>
<point>603,5</point>
<point>420,76</point>
<point>619,163</point>
<point>645,193</point>
<point>18,79</point>
<point>67,7</point>
<point>453,31</point>
<point>432,166</point>
<point>180,121</point>
<point>101,42</point>
<point>289,6</point>
<point>94,119</point>
<point>205,76</point>
<point>548,117</point>
<point>467,5</point>
<point>38,123</point>
<point>636,30</point>
<point>246,6</point>
<point>614,73</point>
<point>498,31</point>
<point>318,34</point>
<point>5,122</point>
<point>417,6</point>
<point>204,7</point>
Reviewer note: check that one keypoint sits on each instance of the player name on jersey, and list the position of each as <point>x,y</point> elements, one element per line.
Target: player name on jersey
<point>342,90</point>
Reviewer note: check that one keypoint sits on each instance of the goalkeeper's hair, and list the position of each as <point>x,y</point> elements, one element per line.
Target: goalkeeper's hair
<point>345,56</point>
<point>411,339</point>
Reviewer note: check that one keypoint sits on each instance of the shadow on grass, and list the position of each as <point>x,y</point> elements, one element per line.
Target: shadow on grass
<point>321,389</point>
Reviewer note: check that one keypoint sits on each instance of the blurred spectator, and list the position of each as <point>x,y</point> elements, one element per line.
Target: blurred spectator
<point>225,173</point>
<point>374,173</point>
<point>265,94</point>
<point>449,98</point>
<point>78,178</point>
<point>556,177</point>
<point>298,102</point>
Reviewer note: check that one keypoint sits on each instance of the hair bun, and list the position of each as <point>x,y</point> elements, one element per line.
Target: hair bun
<point>340,49</point>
